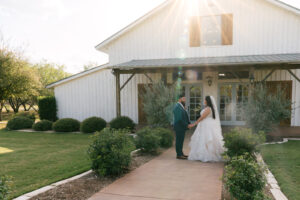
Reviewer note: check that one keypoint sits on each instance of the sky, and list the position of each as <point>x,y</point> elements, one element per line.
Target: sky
<point>67,31</point>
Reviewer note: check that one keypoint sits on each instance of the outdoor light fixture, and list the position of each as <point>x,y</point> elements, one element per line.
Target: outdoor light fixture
<point>251,78</point>
<point>209,80</point>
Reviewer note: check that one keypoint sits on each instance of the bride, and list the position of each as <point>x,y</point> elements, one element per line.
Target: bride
<point>207,141</point>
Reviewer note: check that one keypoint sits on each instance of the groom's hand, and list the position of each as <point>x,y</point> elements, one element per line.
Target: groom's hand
<point>190,126</point>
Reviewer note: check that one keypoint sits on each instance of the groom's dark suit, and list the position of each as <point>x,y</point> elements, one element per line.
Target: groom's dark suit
<point>181,122</point>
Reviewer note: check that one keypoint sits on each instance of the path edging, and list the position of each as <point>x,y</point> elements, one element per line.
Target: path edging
<point>51,186</point>
<point>275,189</point>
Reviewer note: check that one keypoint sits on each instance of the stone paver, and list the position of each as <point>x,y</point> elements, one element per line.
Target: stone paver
<point>167,178</point>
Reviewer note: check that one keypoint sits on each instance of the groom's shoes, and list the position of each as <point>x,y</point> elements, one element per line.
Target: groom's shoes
<point>185,156</point>
<point>181,157</point>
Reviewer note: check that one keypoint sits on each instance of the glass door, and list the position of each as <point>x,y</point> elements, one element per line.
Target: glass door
<point>232,98</point>
<point>193,100</point>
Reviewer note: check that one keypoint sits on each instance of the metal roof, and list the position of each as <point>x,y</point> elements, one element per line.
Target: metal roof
<point>211,61</point>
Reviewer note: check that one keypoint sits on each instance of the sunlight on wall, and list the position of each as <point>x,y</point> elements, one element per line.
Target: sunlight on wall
<point>5,150</point>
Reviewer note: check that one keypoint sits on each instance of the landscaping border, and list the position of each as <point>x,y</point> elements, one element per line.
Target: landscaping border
<point>275,189</point>
<point>51,186</point>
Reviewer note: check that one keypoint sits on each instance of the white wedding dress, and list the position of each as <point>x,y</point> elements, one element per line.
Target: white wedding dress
<point>207,143</point>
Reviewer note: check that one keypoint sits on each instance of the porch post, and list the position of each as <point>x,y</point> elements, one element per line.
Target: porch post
<point>118,92</point>
<point>251,75</point>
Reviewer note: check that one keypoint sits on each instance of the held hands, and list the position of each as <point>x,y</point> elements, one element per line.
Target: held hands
<point>191,125</point>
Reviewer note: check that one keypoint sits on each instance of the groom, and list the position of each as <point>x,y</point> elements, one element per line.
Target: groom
<point>181,124</point>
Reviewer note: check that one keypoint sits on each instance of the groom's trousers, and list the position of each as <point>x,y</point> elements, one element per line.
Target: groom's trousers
<point>179,142</point>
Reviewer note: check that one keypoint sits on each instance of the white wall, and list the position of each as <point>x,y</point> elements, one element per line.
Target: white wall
<point>259,28</point>
<point>94,94</point>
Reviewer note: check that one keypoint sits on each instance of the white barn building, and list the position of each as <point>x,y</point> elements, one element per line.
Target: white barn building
<point>218,47</point>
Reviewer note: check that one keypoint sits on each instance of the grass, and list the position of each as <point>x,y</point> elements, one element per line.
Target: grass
<point>284,162</point>
<point>34,160</point>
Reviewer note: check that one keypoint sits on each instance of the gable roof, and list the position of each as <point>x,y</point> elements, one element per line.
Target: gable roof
<point>103,45</point>
<point>78,75</point>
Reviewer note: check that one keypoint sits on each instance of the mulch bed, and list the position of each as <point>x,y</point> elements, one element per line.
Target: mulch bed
<point>86,186</point>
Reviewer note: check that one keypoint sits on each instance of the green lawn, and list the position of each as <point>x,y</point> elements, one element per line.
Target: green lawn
<point>38,159</point>
<point>284,162</point>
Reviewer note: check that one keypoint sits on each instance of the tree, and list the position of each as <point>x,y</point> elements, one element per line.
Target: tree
<point>90,65</point>
<point>159,100</point>
<point>49,73</point>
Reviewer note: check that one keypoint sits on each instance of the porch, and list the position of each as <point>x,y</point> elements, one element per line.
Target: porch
<point>228,79</point>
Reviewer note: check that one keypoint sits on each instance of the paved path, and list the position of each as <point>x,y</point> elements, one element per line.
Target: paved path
<point>167,178</point>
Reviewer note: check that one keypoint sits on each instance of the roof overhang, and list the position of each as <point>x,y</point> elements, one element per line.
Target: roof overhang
<point>293,60</point>
<point>76,76</point>
<point>103,45</point>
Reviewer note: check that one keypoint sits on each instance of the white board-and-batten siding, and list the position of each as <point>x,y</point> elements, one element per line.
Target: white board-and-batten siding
<point>259,27</point>
<point>94,94</point>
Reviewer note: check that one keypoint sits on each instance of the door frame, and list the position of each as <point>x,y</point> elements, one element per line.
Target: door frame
<point>187,94</point>
<point>233,109</point>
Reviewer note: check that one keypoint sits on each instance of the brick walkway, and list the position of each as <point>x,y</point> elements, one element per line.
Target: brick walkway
<point>167,178</point>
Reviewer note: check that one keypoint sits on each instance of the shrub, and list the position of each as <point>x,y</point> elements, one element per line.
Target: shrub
<point>92,124</point>
<point>241,140</point>
<point>244,178</point>
<point>265,110</point>
<point>26,114</point>
<point>43,125</point>
<point>47,108</point>
<point>5,187</point>
<point>159,100</point>
<point>66,125</point>
<point>110,152</point>
<point>166,137</point>
<point>148,140</point>
<point>122,122</point>
<point>19,123</point>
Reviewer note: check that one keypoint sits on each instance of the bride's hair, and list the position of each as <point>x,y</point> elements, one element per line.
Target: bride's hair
<point>209,103</point>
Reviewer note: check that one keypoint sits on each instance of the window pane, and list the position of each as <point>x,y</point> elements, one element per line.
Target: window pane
<point>211,30</point>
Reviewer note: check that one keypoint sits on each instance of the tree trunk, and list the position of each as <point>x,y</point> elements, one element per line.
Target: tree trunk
<point>15,104</point>
<point>1,107</point>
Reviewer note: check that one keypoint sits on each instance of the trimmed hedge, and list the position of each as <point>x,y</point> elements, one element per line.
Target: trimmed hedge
<point>122,122</point>
<point>148,140</point>
<point>92,124</point>
<point>66,125</point>
<point>241,140</point>
<point>244,178</point>
<point>19,123</point>
<point>5,187</point>
<point>26,114</point>
<point>166,137</point>
<point>110,152</point>
<point>47,108</point>
<point>44,125</point>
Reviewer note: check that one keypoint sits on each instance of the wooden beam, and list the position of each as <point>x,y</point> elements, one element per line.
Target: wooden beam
<point>118,92</point>
<point>236,76</point>
<point>148,77</point>
<point>294,75</point>
<point>132,75</point>
<point>268,75</point>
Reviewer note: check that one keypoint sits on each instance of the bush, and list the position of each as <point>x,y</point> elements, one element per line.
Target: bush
<point>166,137</point>
<point>26,114</point>
<point>66,125</point>
<point>19,123</point>
<point>265,110</point>
<point>5,187</point>
<point>122,122</point>
<point>148,140</point>
<point>159,100</point>
<point>47,108</point>
<point>110,152</point>
<point>241,140</point>
<point>244,178</point>
<point>92,124</point>
<point>43,125</point>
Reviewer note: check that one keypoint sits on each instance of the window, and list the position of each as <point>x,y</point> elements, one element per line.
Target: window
<point>211,30</point>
